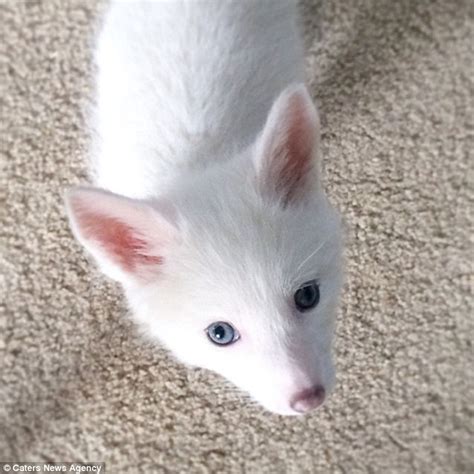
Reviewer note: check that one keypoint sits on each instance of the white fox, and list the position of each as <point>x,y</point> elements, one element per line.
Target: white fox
<point>209,208</point>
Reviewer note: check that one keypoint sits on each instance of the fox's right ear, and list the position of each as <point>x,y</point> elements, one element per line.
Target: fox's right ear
<point>129,238</point>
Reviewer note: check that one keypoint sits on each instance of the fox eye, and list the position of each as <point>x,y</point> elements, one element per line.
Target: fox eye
<point>307,296</point>
<point>222,333</point>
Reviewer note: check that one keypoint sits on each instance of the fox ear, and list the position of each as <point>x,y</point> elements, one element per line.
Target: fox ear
<point>127,237</point>
<point>286,155</point>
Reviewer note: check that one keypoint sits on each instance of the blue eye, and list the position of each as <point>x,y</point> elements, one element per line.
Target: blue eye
<point>222,333</point>
<point>307,296</point>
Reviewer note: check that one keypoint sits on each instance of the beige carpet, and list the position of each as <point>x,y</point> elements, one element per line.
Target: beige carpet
<point>393,80</point>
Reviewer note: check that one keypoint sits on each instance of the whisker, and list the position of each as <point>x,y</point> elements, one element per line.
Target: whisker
<point>310,256</point>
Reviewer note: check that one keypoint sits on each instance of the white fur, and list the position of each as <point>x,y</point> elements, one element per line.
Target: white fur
<point>198,107</point>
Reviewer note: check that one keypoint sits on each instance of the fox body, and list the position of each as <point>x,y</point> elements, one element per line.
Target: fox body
<point>208,206</point>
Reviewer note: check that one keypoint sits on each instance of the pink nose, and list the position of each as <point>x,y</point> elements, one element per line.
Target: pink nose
<point>308,399</point>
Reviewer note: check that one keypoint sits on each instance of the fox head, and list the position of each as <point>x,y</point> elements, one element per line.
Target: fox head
<point>237,268</point>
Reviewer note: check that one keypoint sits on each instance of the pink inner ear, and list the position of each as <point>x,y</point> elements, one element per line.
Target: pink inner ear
<point>295,152</point>
<point>289,146</point>
<point>118,240</point>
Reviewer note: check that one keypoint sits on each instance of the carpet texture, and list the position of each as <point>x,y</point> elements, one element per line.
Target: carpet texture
<point>393,82</point>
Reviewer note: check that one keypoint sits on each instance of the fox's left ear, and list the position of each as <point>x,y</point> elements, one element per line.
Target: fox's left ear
<point>287,151</point>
